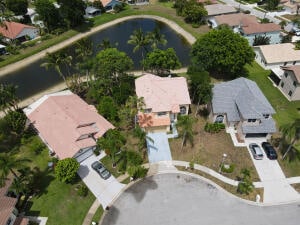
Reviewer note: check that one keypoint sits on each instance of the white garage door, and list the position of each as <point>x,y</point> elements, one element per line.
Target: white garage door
<point>83,154</point>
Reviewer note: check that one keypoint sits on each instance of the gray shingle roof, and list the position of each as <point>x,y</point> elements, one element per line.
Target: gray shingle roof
<point>240,98</point>
<point>265,126</point>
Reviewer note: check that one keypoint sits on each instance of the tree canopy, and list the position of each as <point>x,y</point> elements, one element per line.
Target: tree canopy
<point>222,52</point>
<point>48,13</point>
<point>72,11</point>
<point>66,169</point>
<point>18,7</point>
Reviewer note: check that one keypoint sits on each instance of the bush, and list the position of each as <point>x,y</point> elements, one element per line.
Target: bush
<point>66,169</point>
<point>228,170</point>
<point>214,127</point>
<point>137,172</point>
<point>96,152</point>
<point>134,158</point>
<point>247,12</point>
<point>192,165</point>
<point>82,190</point>
<point>46,37</point>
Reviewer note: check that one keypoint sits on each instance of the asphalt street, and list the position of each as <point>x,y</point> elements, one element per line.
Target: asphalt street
<point>177,199</point>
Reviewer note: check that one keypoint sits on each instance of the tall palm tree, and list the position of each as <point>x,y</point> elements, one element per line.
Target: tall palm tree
<point>140,40</point>
<point>56,60</point>
<point>291,134</point>
<point>185,124</point>
<point>157,38</point>
<point>9,162</point>
<point>105,44</point>
<point>8,98</point>
<point>143,138</point>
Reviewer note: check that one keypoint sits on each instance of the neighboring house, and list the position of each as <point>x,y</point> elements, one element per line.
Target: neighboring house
<point>8,212</point>
<point>110,4</point>
<point>91,12</point>
<point>218,9</point>
<point>241,106</point>
<point>290,82</point>
<point>67,124</point>
<point>164,99</point>
<point>290,6</point>
<point>248,26</point>
<point>274,56</point>
<point>18,31</point>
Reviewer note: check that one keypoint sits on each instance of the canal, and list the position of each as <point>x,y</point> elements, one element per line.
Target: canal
<point>34,78</point>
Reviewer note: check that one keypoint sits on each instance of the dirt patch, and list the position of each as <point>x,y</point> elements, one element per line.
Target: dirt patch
<point>296,187</point>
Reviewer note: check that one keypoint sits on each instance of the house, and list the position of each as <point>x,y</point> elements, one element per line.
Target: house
<point>248,26</point>
<point>290,82</point>
<point>18,31</point>
<point>290,6</point>
<point>91,12</point>
<point>164,99</point>
<point>218,9</point>
<point>274,56</point>
<point>241,106</point>
<point>110,4</point>
<point>67,125</point>
<point>8,213</point>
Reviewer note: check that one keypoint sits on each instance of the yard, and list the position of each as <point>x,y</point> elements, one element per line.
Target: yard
<point>56,200</point>
<point>209,148</point>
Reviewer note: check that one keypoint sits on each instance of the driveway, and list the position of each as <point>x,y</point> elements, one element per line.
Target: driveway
<point>276,187</point>
<point>159,149</point>
<point>179,199</point>
<point>104,190</point>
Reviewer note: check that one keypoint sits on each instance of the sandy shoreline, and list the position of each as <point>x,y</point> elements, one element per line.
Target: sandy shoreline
<point>20,64</point>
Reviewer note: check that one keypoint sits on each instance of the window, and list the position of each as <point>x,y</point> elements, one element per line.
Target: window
<point>294,62</point>
<point>266,116</point>
<point>147,110</point>
<point>286,74</point>
<point>282,84</point>
<point>219,119</point>
<point>182,110</point>
<point>161,113</point>
<point>251,120</point>
<point>295,84</point>
<point>285,63</point>
<point>290,93</point>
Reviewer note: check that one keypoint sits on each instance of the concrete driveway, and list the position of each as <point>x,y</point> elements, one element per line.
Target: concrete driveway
<point>276,187</point>
<point>104,190</point>
<point>179,199</point>
<point>159,149</point>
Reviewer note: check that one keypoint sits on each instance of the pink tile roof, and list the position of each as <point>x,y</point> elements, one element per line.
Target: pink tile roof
<point>254,28</point>
<point>21,221</point>
<point>151,120</point>
<point>12,29</point>
<point>162,94</point>
<point>58,117</point>
<point>235,19</point>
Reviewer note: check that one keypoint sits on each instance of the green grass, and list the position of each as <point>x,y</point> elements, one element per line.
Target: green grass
<point>286,111</point>
<point>126,180</point>
<point>98,214</point>
<point>107,162</point>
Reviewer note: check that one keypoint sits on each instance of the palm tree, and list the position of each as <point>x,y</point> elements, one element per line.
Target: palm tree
<point>140,40</point>
<point>157,38</point>
<point>8,98</point>
<point>2,6</point>
<point>143,138</point>
<point>291,134</point>
<point>105,44</point>
<point>185,123</point>
<point>56,60</point>
<point>9,162</point>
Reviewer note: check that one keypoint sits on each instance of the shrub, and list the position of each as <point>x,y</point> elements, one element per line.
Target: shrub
<point>245,185</point>
<point>214,127</point>
<point>82,190</point>
<point>247,12</point>
<point>137,172</point>
<point>192,165</point>
<point>96,152</point>
<point>134,158</point>
<point>228,170</point>
<point>66,169</point>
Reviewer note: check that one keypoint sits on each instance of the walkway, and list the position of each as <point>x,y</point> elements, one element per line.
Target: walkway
<point>158,148</point>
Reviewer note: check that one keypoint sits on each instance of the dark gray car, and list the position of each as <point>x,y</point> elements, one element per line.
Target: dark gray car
<point>101,170</point>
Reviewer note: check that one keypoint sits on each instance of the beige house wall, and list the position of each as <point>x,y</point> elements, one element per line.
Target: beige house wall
<point>286,85</point>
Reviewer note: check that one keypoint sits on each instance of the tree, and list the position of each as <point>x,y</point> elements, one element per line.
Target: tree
<point>66,169</point>
<point>261,40</point>
<point>2,6</point>
<point>179,6</point>
<point>272,4</point>
<point>137,172</point>
<point>98,4</point>
<point>297,45</point>
<point>143,138</point>
<point>140,41</point>
<point>111,143</point>
<point>9,162</point>
<point>161,62</point>
<point>222,52</point>
<point>286,39</point>
<point>8,98</point>
<point>16,122</point>
<point>56,60</point>
<point>194,12</point>
<point>48,13</point>
<point>18,7</point>
<point>185,124</point>
<point>72,11</point>
<point>105,44</point>
<point>108,108</point>
<point>291,134</point>
<point>282,24</point>
<point>111,65</point>
<point>245,185</point>
<point>200,87</point>
<point>157,38</point>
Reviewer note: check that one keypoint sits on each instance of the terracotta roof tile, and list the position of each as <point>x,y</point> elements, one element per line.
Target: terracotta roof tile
<point>151,120</point>
<point>21,221</point>
<point>235,19</point>
<point>12,29</point>
<point>254,28</point>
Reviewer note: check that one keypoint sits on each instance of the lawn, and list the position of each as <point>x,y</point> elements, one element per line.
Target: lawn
<point>286,112</point>
<point>98,214</point>
<point>209,148</point>
<point>56,200</point>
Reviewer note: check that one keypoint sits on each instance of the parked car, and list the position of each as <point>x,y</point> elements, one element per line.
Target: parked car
<point>256,151</point>
<point>101,170</point>
<point>296,31</point>
<point>269,150</point>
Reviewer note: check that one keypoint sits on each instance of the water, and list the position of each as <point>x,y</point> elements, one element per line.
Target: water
<point>33,78</point>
